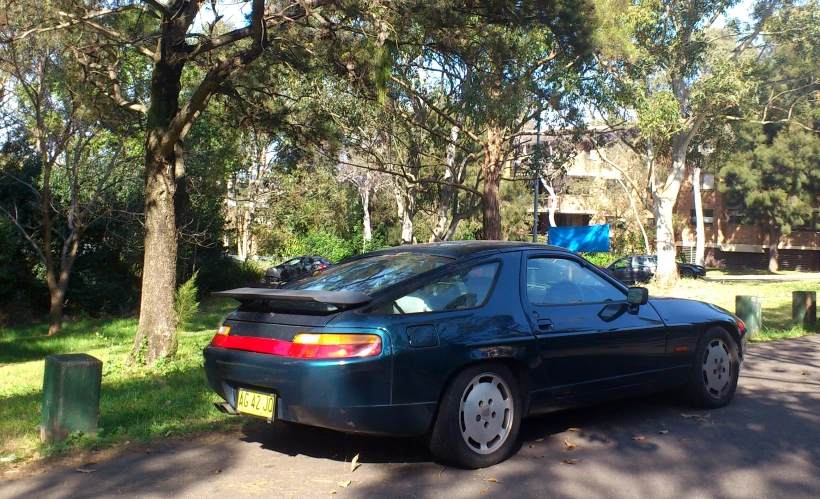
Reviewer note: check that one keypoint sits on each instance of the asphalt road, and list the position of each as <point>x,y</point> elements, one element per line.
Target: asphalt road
<point>766,443</point>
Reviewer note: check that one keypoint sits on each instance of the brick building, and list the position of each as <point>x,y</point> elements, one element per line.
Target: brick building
<point>731,244</point>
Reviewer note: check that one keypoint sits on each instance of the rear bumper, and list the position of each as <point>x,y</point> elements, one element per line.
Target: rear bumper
<point>350,395</point>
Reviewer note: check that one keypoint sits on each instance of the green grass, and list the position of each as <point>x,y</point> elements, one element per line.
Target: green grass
<point>776,306</point>
<point>136,404</point>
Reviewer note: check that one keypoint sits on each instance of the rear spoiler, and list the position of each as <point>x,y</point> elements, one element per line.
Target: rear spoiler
<point>340,299</point>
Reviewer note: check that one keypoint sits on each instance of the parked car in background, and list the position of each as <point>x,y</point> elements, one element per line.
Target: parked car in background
<point>295,268</point>
<point>455,342</point>
<point>641,268</point>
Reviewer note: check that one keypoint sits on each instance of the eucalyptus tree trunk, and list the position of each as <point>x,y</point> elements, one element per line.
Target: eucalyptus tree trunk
<point>164,171</point>
<point>440,229</point>
<point>491,202</point>
<point>367,230</point>
<point>700,236</point>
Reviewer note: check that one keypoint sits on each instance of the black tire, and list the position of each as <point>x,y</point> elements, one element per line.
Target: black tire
<point>451,438</point>
<point>715,370</point>
<point>687,273</point>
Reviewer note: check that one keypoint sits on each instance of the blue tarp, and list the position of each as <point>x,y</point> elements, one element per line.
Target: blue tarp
<point>587,238</point>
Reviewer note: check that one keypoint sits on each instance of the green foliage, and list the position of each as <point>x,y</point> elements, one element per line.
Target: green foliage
<point>321,243</point>
<point>185,301</point>
<point>777,183</point>
<point>601,259</point>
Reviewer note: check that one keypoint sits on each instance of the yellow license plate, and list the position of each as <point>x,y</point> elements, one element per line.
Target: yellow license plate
<point>256,404</point>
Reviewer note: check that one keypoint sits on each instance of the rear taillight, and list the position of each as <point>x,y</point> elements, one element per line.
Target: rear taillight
<point>335,346</point>
<point>321,266</point>
<point>741,325</point>
<point>305,345</point>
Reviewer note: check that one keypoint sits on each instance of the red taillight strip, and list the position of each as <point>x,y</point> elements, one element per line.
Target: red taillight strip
<point>296,350</point>
<point>252,344</point>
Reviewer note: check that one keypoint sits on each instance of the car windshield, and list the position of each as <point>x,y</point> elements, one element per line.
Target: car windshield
<point>369,275</point>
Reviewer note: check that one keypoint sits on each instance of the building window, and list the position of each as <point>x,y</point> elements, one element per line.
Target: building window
<point>735,216</point>
<point>708,217</point>
<point>808,225</point>
<point>707,181</point>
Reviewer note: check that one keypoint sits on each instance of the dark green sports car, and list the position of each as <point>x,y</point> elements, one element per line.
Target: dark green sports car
<point>456,342</point>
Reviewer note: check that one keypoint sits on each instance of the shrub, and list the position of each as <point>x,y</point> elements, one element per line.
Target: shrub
<point>185,303</point>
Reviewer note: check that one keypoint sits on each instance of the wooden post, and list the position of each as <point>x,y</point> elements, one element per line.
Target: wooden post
<point>71,396</point>
<point>804,308</point>
<point>749,309</point>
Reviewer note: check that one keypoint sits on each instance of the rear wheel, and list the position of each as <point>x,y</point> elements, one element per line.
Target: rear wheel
<point>479,417</point>
<point>715,371</point>
<point>687,273</point>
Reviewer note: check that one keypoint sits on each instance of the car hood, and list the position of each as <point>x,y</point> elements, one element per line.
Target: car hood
<point>685,311</point>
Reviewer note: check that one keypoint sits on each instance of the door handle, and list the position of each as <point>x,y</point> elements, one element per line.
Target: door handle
<point>545,325</point>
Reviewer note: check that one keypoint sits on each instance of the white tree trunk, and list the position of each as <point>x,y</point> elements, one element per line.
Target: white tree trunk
<point>700,243</point>
<point>367,230</point>
<point>404,210</point>
<point>667,271</point>
<point>442,214</point>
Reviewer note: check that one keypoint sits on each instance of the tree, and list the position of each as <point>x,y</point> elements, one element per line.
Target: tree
<point>164,34</point>
<point>776,183</point>
<point>678,73</point>
<point>771,162</point>
<point>75,162</point>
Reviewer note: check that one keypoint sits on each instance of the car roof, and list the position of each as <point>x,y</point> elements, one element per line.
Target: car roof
<point>463,249</point>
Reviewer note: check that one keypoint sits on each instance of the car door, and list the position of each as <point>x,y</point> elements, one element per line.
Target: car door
<point>621,269</point>
<point>589,338</point>
<point>643,268</point>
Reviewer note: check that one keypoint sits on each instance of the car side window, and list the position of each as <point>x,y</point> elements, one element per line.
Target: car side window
<point>621,264</point>
<point>461,290</point>
<point>559,281</point>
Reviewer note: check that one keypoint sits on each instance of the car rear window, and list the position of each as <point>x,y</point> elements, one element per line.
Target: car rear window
<point>372,274</point>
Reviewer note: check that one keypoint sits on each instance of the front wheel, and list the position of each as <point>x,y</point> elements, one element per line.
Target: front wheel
<point>715,371</point>
<point>687,273</point>
<point>479,417</point>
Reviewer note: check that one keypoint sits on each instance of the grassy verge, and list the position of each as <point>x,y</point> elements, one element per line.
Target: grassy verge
<point>170,399</point>
<point>777,301</point>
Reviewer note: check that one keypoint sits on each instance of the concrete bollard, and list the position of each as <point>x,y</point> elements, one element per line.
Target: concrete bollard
<point>749,309</point>
<point>804,308</point>
<point>71,396</point>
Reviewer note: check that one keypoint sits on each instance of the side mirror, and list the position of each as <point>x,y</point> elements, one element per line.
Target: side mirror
<point>637,296</point>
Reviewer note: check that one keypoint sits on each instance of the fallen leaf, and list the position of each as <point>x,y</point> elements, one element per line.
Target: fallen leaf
<point>539,439</point>
<point>218,471</point>
<point>532,446</point>
<point>570,461</point>
<point>663,432</point>
<point>638,437</point>
<point>345,484</point>
<point>573,429</point>
<point>332,492</point>
<point>569,444</point>
<point>802,373</point>
<point>696,416</point>
<point>168,433</point>
<point>494,480</point>
<point>86,470</point>
<point>354,463</point>
<point>442,471</point>
<point>485,490</point>
<point>608,440</point>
